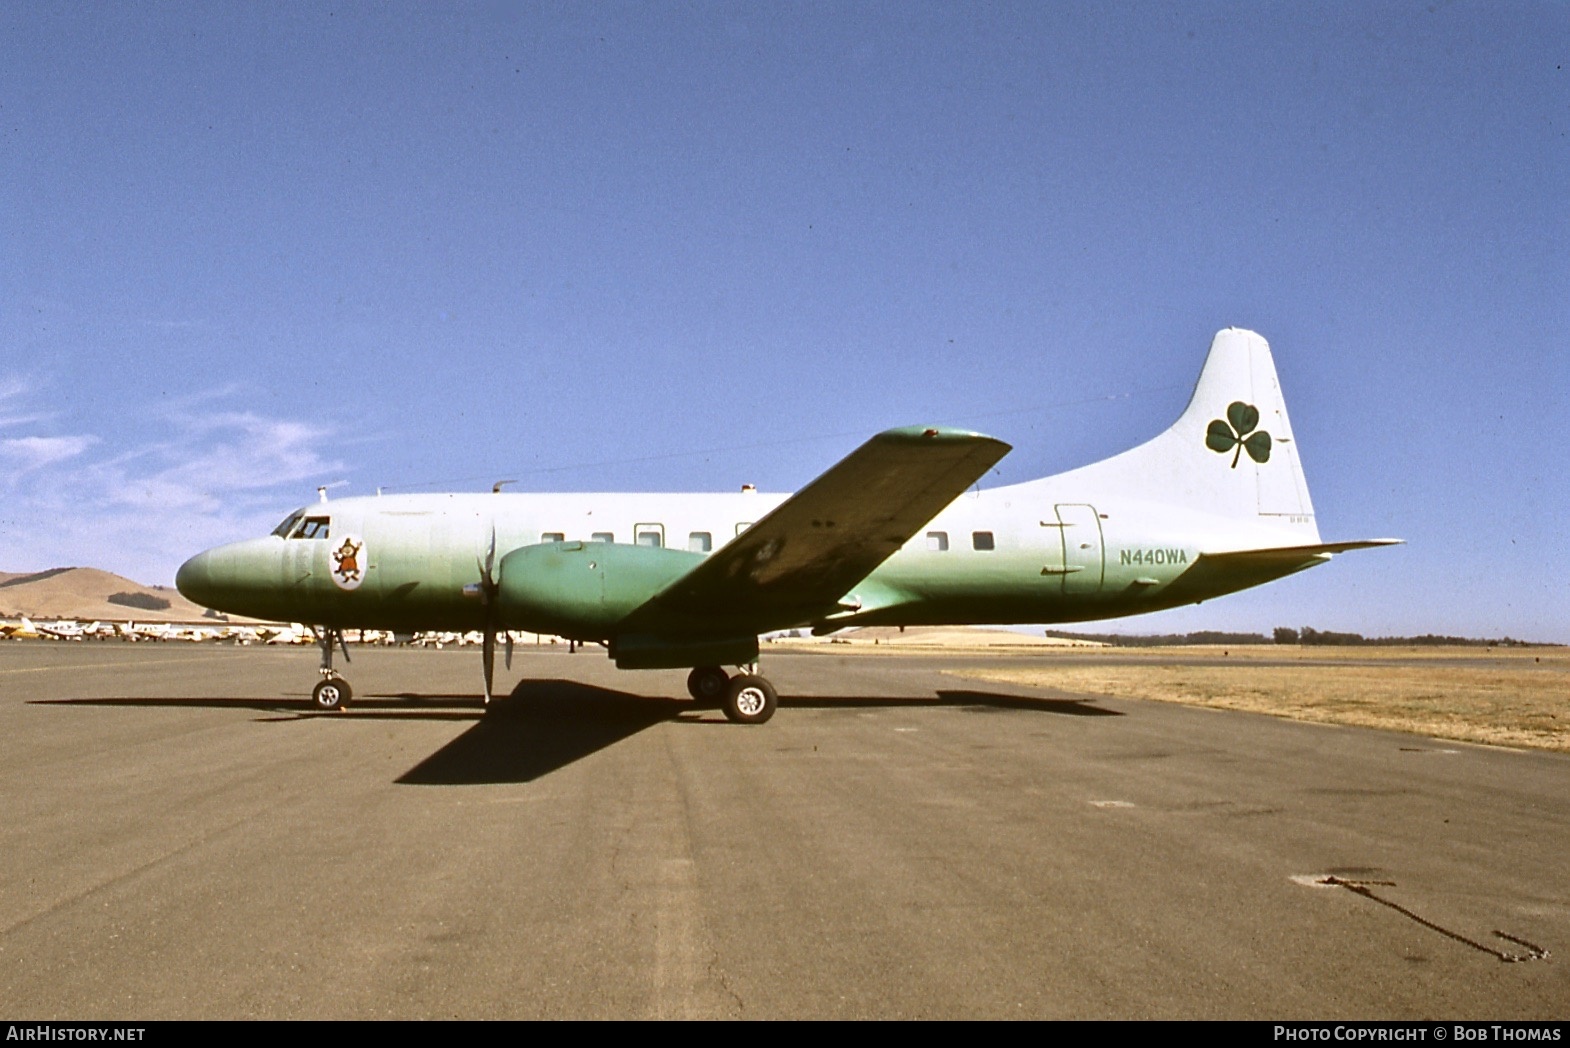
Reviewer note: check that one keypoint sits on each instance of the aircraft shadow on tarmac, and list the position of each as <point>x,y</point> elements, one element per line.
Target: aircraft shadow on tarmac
<point>975,701</point>
<point>405,707</point>
<point>545,725</point>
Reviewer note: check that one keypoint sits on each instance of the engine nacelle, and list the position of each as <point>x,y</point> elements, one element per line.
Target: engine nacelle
<point>582,589</point>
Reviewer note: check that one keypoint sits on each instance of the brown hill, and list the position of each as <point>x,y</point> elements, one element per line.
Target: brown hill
<point>83,593</point>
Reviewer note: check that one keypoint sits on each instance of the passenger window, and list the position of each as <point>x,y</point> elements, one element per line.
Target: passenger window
<point>553,536</point>
<point>650,537</point>
<point>743,527</point>
<point>700,542</point>
<point>981,540</point>
<point>937,541</point>
<point>602,536</point>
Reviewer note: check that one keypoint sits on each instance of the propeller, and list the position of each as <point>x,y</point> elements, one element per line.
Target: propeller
<point>489,588</point>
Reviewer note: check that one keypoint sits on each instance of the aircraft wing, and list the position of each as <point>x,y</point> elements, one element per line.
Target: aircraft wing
<point>798,561</point>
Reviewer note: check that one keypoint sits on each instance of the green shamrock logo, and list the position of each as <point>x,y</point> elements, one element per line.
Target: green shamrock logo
<point>1243,419</point>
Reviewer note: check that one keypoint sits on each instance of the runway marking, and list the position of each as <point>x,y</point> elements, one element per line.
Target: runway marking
<point>1111,804</point>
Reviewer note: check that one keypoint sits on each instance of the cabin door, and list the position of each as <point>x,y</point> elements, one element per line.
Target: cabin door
<point>1079,559</point>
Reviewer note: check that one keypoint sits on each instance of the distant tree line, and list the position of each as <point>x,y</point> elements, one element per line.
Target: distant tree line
<point>1306,636</point>
<point>1158,640</point>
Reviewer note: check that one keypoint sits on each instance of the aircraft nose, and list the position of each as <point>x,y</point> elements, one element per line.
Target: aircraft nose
<point>241,578</point>
<point>194,580</point>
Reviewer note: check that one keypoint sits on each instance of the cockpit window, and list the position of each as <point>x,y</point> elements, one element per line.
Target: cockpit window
<point>312,528</point>
<point>298,526</point>
<point>282,530</point>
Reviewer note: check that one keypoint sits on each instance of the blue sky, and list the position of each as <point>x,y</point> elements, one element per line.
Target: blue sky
<point>250,249</point>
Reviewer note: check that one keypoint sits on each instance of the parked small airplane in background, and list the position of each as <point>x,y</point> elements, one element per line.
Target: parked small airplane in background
<point>62,630</point>
<point>892,535</point>
<point>19,629</point>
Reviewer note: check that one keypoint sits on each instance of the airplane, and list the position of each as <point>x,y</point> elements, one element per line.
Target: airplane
<point>294,633</point>
<point>22,629</point>
<point>897,533</point>
<point>61,630</point>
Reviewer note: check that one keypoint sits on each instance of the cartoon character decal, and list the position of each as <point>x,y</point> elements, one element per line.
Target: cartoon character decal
<point>1237,431</point>
<point>348,557</point>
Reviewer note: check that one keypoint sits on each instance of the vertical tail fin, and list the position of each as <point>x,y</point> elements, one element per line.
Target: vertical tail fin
<point>1230,453</point>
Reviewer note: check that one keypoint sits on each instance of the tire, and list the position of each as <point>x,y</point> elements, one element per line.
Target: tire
<point>708,685</point>
<point>332,693</point>
<point>750,700</point>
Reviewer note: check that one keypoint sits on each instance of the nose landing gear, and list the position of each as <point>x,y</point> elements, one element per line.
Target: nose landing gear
<point>332,692</point>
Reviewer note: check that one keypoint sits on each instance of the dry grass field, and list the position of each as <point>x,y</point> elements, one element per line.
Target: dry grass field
<point>1500,696</point>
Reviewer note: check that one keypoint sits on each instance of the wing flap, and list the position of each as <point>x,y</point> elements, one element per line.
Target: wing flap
<point>799,560</point>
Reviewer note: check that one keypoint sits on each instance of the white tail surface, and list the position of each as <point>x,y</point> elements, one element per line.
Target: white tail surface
<point>1231,453</point>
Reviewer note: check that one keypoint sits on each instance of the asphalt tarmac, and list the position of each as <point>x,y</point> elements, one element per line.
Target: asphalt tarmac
<point>182,838</point>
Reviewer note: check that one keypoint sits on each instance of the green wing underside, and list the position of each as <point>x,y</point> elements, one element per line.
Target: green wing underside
<point>798,562</point>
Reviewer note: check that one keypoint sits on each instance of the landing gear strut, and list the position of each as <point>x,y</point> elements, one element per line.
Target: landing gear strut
<point>332,692</point>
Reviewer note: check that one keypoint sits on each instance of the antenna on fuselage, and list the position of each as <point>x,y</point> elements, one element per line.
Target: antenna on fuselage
<point>497,487</point>
<point>321,493</point>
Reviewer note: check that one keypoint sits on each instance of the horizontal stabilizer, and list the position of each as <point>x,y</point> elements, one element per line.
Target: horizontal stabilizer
<point>1216,573</point>
<point>1293,554</point>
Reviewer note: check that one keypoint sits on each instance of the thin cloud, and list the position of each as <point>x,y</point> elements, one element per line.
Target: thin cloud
<point>201,479</point>
<point>23,420</point>
<point>33,453</point>
<point>14,387</point>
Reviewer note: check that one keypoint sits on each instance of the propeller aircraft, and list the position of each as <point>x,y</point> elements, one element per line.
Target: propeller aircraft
<point>894,534</point>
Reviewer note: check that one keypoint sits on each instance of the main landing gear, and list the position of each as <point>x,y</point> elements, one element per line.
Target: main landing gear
<point>746,698</point>
<point>332,692</point>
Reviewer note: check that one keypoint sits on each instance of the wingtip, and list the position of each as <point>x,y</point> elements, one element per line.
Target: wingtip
<point>936,434</point>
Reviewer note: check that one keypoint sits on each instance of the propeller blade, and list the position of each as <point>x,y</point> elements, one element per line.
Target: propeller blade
<point>488,652</point>
<point>508,635</point>
<point>489,587</point>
